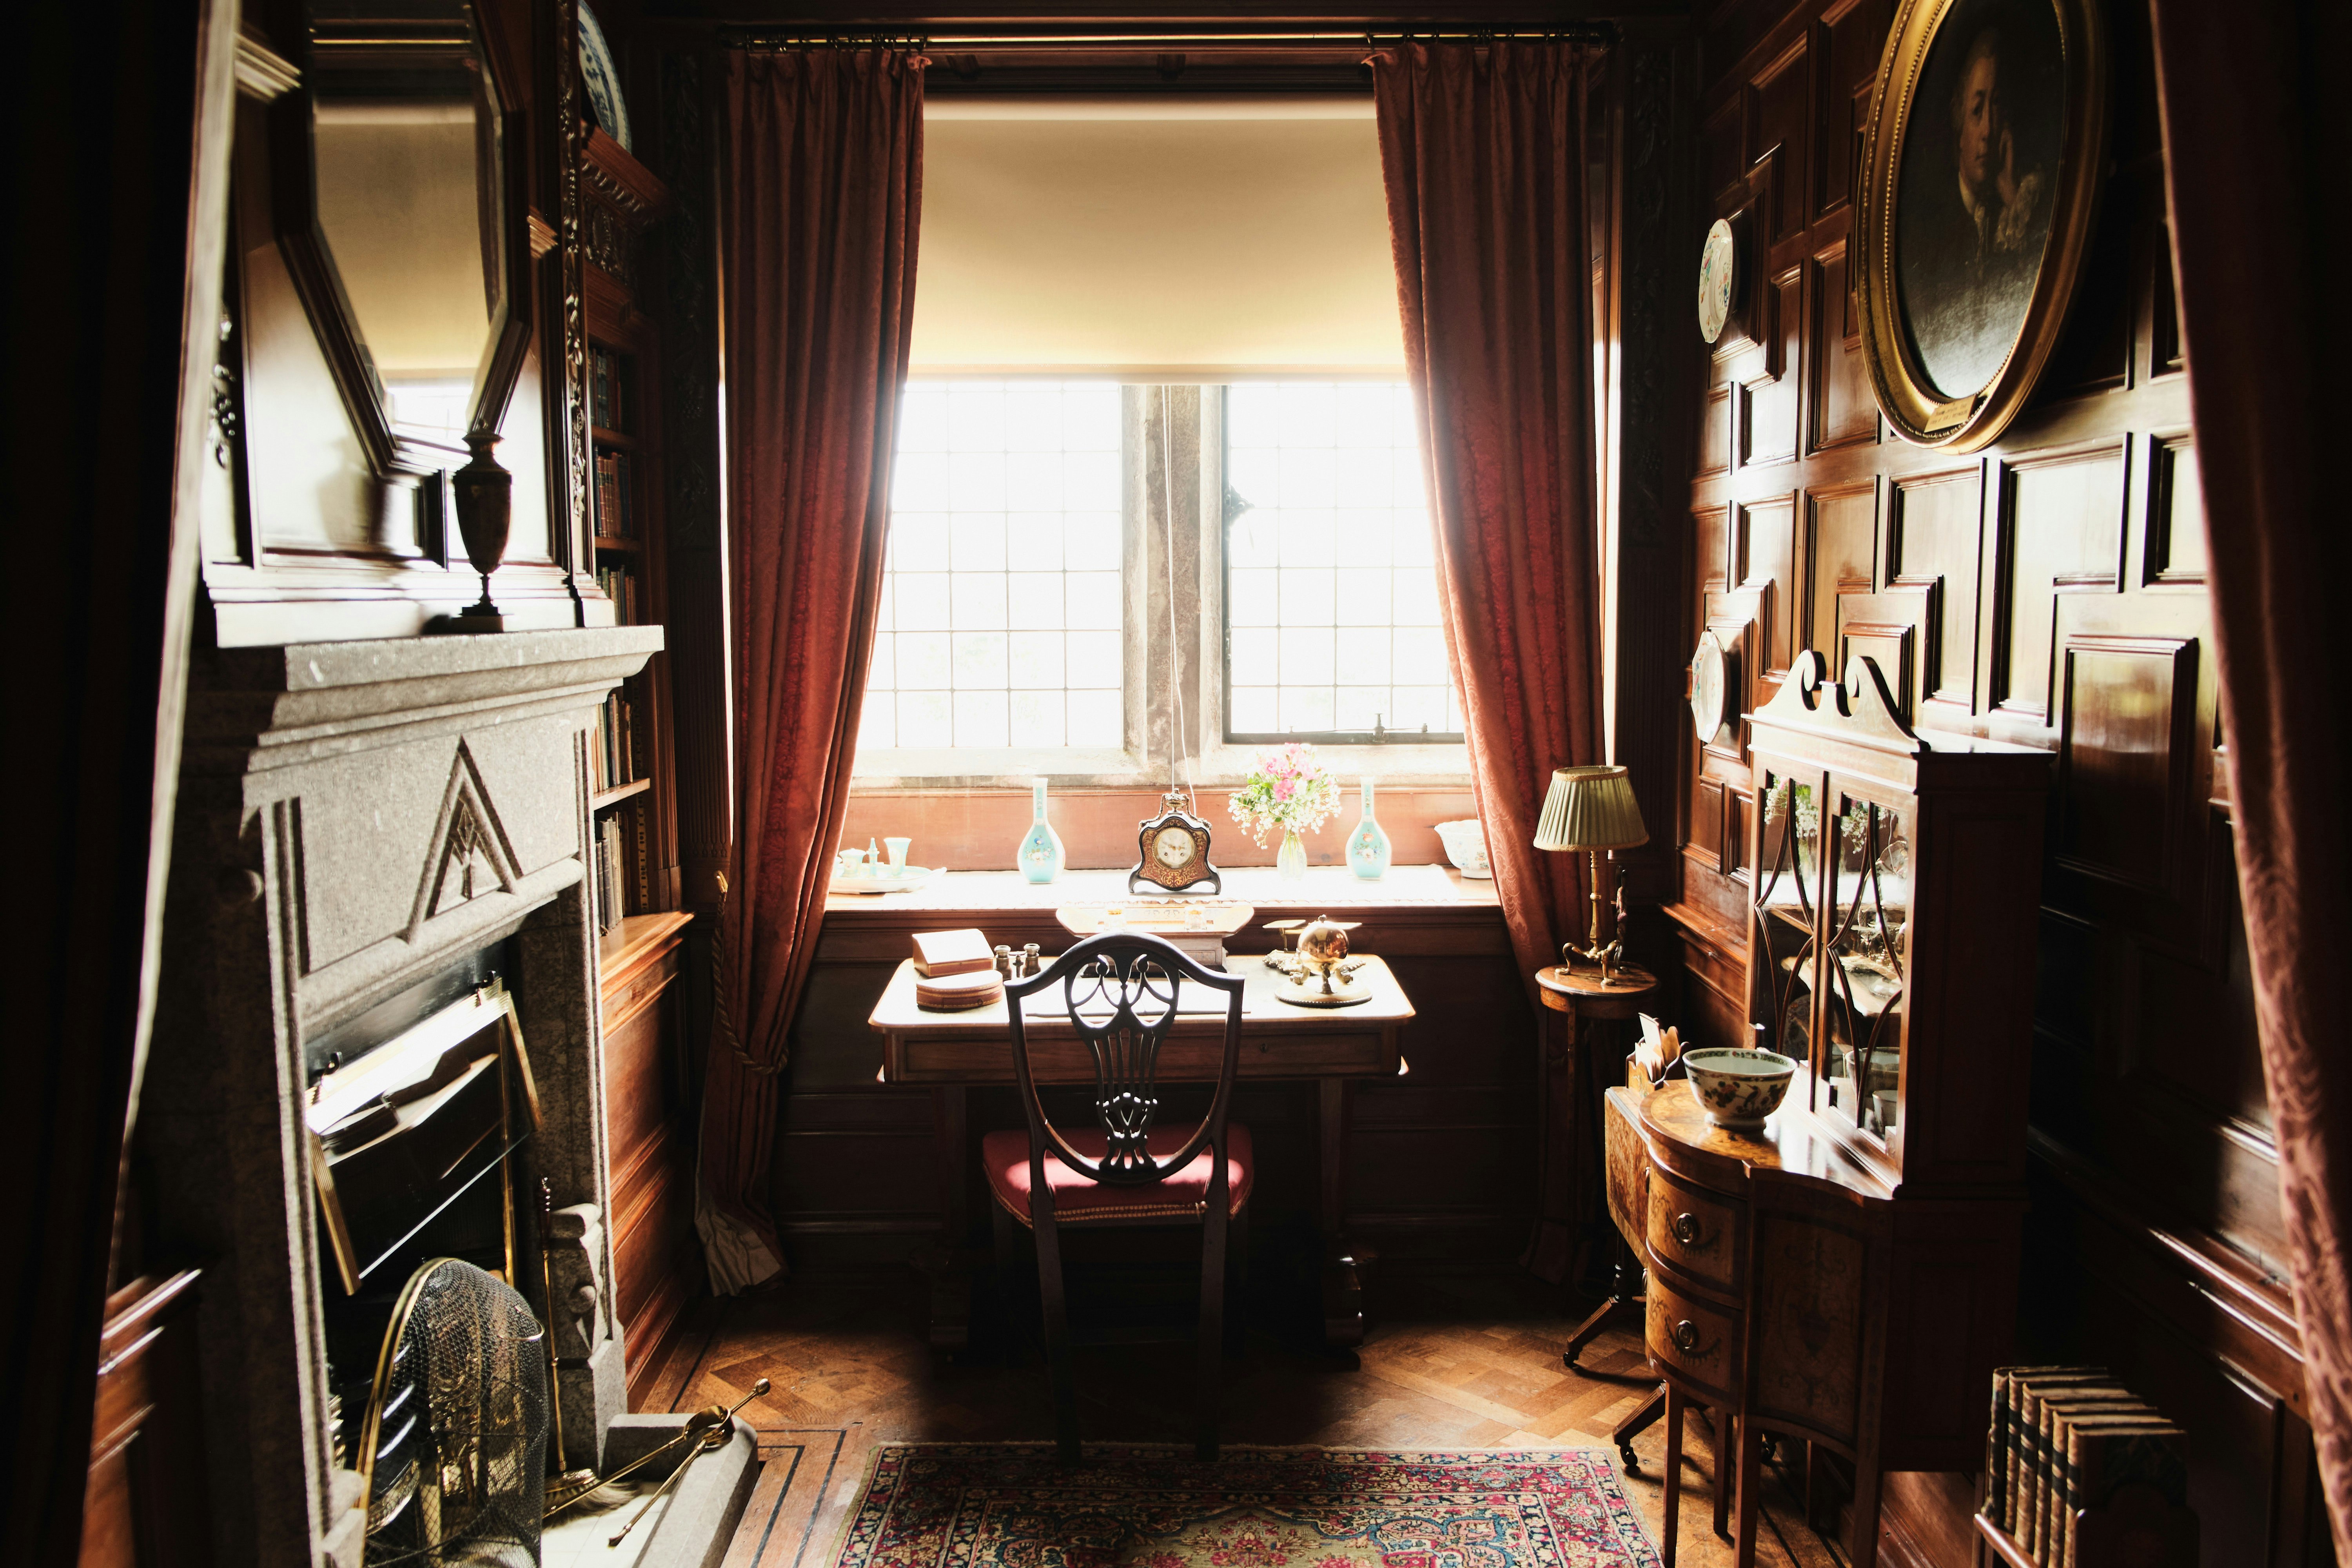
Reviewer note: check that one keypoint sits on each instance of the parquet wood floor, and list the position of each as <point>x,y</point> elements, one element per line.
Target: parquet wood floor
<point>1452,1362</point>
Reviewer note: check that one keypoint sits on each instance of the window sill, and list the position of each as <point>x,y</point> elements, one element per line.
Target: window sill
<point>1413,912</point>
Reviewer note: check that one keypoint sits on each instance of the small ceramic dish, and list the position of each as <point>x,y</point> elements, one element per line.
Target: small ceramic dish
<point>1465,845</point>
<point>1738,1089</point>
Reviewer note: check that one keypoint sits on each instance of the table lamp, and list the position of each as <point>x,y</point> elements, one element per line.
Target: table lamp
<point>1591,809</point>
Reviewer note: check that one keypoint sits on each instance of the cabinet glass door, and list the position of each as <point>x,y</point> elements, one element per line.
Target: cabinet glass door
<point>1787,865</point>
<point>1862,1015</point>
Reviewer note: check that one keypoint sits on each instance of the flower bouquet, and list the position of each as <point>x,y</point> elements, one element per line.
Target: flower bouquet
<point>1290,792</point>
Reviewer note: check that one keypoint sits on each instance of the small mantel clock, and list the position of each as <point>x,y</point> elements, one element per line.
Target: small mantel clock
<point>1172,851</point>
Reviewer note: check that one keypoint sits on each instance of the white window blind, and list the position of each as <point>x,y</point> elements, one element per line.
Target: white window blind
<point>1180,242</point>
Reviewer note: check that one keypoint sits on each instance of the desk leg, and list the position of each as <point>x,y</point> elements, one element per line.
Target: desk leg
<point>947,1261</point>
<point>1344,1266</point>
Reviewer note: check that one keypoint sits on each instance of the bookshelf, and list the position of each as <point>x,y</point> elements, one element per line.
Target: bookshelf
<point>651,1087</point>
<point>631,763</point>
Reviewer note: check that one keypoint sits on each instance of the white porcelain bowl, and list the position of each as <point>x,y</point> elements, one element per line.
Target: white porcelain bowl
<point>1738,1089</point>
<point>1465,845</point>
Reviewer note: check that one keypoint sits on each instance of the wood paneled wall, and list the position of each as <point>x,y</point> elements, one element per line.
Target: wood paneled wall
<point>2049,591</point>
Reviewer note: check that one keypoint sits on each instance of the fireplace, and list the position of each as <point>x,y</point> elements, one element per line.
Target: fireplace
<point>370,833</point>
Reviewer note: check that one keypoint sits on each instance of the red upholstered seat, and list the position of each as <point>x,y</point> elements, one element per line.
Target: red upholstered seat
<point>1184,1195</point>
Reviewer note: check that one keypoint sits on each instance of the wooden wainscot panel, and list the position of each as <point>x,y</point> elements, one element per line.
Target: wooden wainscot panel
<point>1932,527</point>
<point>1769,404</point>
<point>1715,433</point>
<point>1952,1315</point>
<point>1780,109</point>
<point>1842,413</point>
<point>2059,527</point>
<point>1842,527</point>
<point>2123,758</point>
<point>1769,551</point>
<point>2176,513</point>
<point>145,1506</point>
<point>648,1132</point>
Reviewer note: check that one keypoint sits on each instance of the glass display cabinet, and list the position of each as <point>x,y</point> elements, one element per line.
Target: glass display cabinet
<point>1892,931</point>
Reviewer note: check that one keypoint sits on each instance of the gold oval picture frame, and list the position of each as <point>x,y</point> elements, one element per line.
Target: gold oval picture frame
<point>1980,174</point>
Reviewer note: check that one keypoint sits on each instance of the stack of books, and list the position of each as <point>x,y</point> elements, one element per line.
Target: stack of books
<point>612,896</point>
<point>2065,1440</point>
<point>607,384</point>
<point>613,517</point>
<point>613,758</point>
<point>620,585</point>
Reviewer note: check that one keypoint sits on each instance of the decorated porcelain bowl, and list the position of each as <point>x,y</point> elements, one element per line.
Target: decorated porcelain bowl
<point>1738,1089</point>
<point>1465,845</point>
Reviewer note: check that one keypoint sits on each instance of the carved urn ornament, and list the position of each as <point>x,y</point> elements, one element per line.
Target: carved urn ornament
<point>485,514</point>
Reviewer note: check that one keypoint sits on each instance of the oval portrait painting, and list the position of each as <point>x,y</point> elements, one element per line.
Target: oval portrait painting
<point>1977,187</point>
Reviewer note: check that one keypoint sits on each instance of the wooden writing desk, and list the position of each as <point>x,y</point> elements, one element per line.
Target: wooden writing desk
<point>956,1051</point>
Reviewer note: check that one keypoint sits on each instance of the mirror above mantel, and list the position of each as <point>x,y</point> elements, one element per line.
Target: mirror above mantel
<point>416,230</point>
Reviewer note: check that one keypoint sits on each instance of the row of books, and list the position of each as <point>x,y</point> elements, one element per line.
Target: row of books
<point>615,518</point>
<point>608,389</point>
<point>612,880</point>
<point>620,585</point>
<point>613,758</point>
<point>2065,1440</point>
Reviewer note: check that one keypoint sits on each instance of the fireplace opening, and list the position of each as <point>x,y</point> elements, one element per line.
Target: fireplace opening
<point>414,1112</point>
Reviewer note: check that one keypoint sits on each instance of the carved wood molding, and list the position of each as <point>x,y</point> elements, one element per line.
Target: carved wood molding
<point>1859,709</point>
<point>262,73</point>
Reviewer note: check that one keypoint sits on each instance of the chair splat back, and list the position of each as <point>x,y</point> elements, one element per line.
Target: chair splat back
<point>1120,989</point>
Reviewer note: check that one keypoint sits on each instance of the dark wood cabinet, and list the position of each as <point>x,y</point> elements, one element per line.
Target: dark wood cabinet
<point>1848,1274</point>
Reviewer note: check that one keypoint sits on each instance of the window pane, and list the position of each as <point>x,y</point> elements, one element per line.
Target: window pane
<point>1001,600</point>
<point>1331,605</point>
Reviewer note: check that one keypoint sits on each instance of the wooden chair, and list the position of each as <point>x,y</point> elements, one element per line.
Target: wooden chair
<point>1120,989</point>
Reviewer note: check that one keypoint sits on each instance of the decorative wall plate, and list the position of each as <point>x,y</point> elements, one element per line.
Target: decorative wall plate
<point>1706,687</point>
<point>602,79</point>
<point>1719,279</point>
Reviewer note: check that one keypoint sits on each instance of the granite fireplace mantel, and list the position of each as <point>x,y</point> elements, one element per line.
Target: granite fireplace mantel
<point>352,818</point>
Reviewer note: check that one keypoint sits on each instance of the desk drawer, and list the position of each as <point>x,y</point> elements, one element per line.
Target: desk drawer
<point>1699,1343</point>
<point>1694,1232</point>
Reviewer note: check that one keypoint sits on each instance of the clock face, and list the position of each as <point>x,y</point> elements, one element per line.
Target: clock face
<point>1173,847</point>
<point>1718,267</point>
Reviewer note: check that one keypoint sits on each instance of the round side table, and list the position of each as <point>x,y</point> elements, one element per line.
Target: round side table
<point>1587,1034</point>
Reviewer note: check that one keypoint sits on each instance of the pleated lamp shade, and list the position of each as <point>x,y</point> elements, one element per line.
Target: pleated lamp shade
<point>1591,808</point>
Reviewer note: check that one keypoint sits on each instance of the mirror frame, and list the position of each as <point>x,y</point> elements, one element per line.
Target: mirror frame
<point>311,261</point>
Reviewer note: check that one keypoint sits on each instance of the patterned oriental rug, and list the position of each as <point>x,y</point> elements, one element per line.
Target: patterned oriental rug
<point>1008,1505</point>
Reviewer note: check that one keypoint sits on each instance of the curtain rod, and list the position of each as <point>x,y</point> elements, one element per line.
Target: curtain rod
<point>764,37</point>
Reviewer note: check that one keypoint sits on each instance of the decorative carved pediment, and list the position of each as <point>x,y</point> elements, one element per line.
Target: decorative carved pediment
<point>470,855</point>
<point>1859,709</point>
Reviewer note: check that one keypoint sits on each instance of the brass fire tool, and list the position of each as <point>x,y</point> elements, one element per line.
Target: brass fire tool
<point>698,1425</point>
<point>713,1437</point>
<point>579,1482</point>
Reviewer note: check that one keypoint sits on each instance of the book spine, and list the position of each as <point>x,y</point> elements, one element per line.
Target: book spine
<point>1997,1450</point>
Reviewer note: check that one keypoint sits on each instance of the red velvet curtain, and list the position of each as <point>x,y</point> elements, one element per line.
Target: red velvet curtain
<point>2256,146</point>
<point>1482,150</point>
<point>821,179</point>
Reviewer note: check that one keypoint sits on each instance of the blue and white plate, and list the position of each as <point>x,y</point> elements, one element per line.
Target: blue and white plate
<point>602,79</point>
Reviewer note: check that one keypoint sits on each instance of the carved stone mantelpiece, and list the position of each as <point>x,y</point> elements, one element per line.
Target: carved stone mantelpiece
<point>355,816</point>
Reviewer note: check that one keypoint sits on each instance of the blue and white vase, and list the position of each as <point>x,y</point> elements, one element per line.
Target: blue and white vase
<point>1367,846</point>
<point>1040,855</point>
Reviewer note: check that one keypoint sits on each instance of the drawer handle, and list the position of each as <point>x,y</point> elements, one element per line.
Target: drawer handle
<point>1687,1337</point>
<point>1686,1229</point>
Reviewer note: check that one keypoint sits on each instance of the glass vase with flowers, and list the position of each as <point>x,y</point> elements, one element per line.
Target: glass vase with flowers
<point>1290,792</point>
